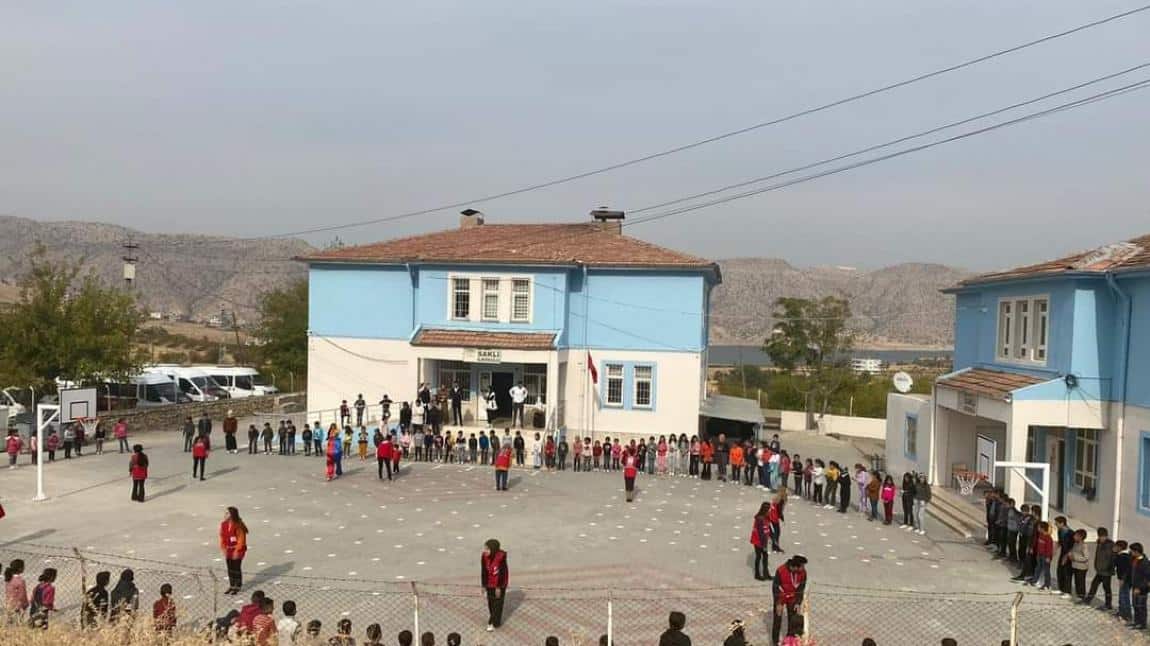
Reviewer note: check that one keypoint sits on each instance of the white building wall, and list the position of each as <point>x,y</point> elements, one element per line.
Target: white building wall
<point>1132,520</point>
<point>898,406</point>
<point>341,368</point>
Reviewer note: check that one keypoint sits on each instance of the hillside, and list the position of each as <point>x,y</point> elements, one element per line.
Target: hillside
<point>893,306</point>
<point>193,276</point>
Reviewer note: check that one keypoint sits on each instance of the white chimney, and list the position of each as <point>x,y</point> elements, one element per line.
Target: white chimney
<point>608,220</point>
<point>469,218</point>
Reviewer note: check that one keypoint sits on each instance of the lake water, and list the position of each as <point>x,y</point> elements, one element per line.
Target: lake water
<point>730,355</point>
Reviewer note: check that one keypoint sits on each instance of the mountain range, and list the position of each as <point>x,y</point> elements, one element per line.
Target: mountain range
<point>196,277</point>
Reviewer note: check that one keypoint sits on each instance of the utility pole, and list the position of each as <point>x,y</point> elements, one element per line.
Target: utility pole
<point>130,260</point>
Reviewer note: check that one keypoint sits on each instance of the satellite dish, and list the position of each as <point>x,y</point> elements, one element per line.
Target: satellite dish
<point>902,382</point>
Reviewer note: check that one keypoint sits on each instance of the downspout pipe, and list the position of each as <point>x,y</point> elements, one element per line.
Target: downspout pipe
<point>1127,314</point>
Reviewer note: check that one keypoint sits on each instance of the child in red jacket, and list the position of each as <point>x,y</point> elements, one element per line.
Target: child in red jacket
<point>199,456</point>
<point>384,454</point>
<point>1043,552</point>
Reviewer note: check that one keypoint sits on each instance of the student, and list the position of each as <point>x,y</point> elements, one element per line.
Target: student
<point>760,534</point>
<point>383,456</point>
<point>396,454</point>
<point>521,449</point>
<point>288,629</point>
<point>661,456</point>
<point>862,478</point>
<point>502,466</point>
<point>561,450</point>
<point>845,484</point>
<point>1065,544</point>
<point>455,639</point>
<point>596,455</point>
<point>673,455</point>
<point>313,631</point>
<point>199,456</point>
<point>43,601</point>
<point>789,585</point>
<point>100,435</point>
<point>630,470</point>
<point>473,450</point>
<point>427,639</point>
<point>120,432</point>
<point>808,479</point>
<point>616,455</point>
<point>674,636</point>
<point>873,491</point>
<point>234,545</point>
<point>95,609</point>
<point>374,635</point>
<point>1105,552</point>
<point>307,440</point>
<point>921,500</point>
<point>819,481</point>
<point>707,455</point>
<point>1139,584</point>
<point>1025,538</point>
<point>550,641</point>
<point>830,491</point>
<point>405,638</point>
<point>1122,571</point>
<point>266,435</point>
<point>695,459</point>
<point>164,612</point>
<point>735,634</point>
<point>536,452</point>
<point>494,579</point>
<point>264,623</point>
<point>797,472</point>
<point>776,518</point>
<point>138,469</point>
<point>13,444</point>
<point>52,444</point>
<point>125,598</point>
<point>907,501</point>
<point>361,443</point>
<point>1043,552</point>
<point>1011,528</point>
<point>1079,563</point>
<point>318,437</point>
<point>15,590</point>
<point>331,452</point>
<point>587,451</point>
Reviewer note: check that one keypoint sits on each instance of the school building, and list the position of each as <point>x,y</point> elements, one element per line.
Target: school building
<point>1052,365</point>
<point>607,333</point>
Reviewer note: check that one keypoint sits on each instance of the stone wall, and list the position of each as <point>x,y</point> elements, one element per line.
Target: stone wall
<point>171,418</point>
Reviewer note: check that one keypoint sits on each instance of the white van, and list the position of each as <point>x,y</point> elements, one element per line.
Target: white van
<point>240,381</point>
<point>195,383</point>
<point>148,389</point>
<point>8,400</point>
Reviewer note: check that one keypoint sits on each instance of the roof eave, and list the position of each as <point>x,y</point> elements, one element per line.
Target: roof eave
<point>975,283</point>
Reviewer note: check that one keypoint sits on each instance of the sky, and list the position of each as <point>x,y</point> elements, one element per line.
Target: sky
<point>262,117</point>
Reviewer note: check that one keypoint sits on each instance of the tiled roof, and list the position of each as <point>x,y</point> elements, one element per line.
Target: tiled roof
<point>990,383</point>
<point>478,339</point>
<point>1132,254</point>
<point>549,244</point>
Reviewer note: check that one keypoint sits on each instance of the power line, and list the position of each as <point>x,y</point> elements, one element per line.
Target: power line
<point>719,137</point>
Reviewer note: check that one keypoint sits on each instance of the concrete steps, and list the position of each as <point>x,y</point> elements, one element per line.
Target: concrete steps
<point>957,513</point>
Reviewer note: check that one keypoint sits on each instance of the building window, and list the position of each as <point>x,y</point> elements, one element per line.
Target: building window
<point>456,372</point>
<point>520,300</point>
<point>614,384</point>
<point>910,437</point>
<point>1144,474</point>
<point>643,386</point>
<point>535,381</point>
<point>1023,329</point>
<point>490,299</point>
<point>461,298</point>
<point>1085,458</point>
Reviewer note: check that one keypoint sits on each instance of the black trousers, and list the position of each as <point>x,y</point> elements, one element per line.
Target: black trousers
<point>230,441</point>
<point>517,414</point>
<point>495,605</point>
<point>384,463</point>
<point>1079,577</point>
<point>188,443</point>
<point>1023,550</point>
<point>519,457</point>
<point>762,566</point>
<point>235,573</point>
<point>1065,574</point>
<point>267,445</point>
<point>1012,545</point>
<point>1104,581</point>
<point>138,490</point>
<point>818,496</point>
<point>457,413</point>
<point>198,464</point>
<point>253,444</point>
<point>908,510</point>
<point>794,622</point>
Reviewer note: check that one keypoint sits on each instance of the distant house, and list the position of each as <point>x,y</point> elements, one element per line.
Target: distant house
<point>156,316</point>
<point>607,333</point>
<point>866,365</point>
<point>1052,364</point>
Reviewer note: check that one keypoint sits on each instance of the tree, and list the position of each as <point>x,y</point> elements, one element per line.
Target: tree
<point>67,325</point>
<point>283,329</point>
<point>812,336</point>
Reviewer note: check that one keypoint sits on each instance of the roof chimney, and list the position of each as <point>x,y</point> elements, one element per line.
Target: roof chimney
<point>469,218</point>
<point>608,220</point>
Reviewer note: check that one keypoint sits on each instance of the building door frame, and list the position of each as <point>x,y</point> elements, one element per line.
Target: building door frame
<point>1056,452</point>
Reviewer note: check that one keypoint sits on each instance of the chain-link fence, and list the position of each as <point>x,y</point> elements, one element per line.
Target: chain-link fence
<point>830,614</point>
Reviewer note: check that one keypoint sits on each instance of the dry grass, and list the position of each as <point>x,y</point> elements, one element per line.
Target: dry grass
<point>140,634</point>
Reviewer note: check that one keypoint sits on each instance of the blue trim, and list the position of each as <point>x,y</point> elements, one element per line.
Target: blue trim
<point>629,386</point>
<point>906,437</point>
<point>1143,474</point>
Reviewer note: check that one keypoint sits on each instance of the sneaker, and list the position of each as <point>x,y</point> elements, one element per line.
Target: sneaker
<point>490,628</point>
<point>902,526</point>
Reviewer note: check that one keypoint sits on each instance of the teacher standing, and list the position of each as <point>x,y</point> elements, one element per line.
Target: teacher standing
<point>494,577</point>
<point>234,545</point>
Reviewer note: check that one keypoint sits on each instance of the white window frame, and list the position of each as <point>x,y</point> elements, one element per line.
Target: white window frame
<point>457,372</point>
<point>1085,471</point>
<point>1023,329</point>
<point>488,292</point>
<point>530,295</point>
<point>453,303</point>
<point>612,372</point>
<point>535,381</point>
<point>636,380</point>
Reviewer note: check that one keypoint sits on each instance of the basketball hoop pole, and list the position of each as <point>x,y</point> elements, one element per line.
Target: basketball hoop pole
<point>40,424</point>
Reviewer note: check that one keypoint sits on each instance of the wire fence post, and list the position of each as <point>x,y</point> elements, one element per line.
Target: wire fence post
<point>610,617</point>
<point>83,584</point>
<point>1014,619</point>
<point>415,604</point>
<point>215,603</point>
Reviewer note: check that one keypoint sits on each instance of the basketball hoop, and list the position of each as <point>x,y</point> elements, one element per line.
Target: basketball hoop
<point>89,424</point>
<point>967,481</point>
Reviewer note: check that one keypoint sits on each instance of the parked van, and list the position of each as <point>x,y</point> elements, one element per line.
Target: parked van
<point>195,383</point>
<point>240,381</point>
<point>8,400</point>
<point>144,390</point>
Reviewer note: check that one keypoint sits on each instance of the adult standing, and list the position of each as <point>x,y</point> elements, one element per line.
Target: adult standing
<point>502,466</point>
<point>234,545</point>
<point>360,407</point>
<point>120,432</point>
<point>204,425</point>
<point>383,455</point>
<point>494,576</point>
<point>921,500</point>
<point>189,433</point>
<point>845,484</point>
<point>518,399</point>
<point>253,439</point>
<point>520,447</point>
<point>199,456</point>
<point>721,453</point>
<point>424,394</point>
<point>630,470</point>
<point>789,585</point>
<point>138,469</point>
<point>231,425</point>
<point>491,405</point>
<point>907,501</point>
<point>456,396</point>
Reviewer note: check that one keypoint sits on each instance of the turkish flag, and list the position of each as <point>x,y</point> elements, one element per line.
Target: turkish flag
<point>591,367</point>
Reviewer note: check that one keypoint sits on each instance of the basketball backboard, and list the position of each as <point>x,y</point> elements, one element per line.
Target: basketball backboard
<point>77,403</point>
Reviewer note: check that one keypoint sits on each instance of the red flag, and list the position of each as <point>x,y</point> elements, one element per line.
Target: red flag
<point>591,367</point>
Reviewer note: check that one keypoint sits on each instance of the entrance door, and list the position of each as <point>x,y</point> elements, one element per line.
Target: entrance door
<point>987,450</point>
<point>502,382</point>
<point>1057,464</point>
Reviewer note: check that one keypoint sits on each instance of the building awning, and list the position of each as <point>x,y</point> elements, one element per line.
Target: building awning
<point>448,338</point>
<point>736,409</point>
<point>988,383</point>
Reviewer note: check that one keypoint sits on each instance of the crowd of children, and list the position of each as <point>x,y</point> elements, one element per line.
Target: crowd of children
<point>1019,536</point>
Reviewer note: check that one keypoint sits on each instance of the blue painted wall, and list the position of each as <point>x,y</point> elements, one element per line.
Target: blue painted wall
<point>635,310</point>
<point>1138,380</point>
<point>363,301</point>
<point>547,305</point>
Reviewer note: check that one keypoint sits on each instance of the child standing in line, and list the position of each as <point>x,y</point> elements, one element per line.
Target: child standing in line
<point>736,461</point>
<point>362,444</point>
<point>587,453</point>
<point>1043,552</point>
<point>288,629</point>
<point>596,454</point>
<point>652,449</point>
<point>808,478</point>
<point>43,600</point>
<point>818,482</point>
<point>306,440</point>
<point>830,492</point>
<point>750,459</point>
<point>696,456</point>
<point>661,455</point>
<point>861,480</point>
<point>53,444</point>
<point>1079,563</point>
<point>616,455</point>
<point>707,455</point>
<point>164,612</point>
<point>873,491</point>
<point>887,496</point>
<point>797,471</point>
